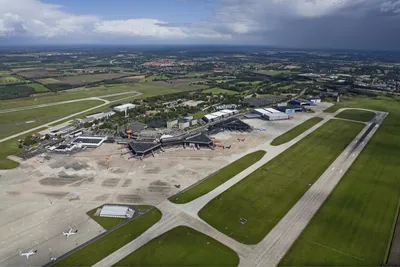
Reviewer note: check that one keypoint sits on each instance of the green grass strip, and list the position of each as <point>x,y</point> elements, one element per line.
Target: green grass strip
<point>218,178</point>
<point>267,194</point>
<point>390,241</point>
<point>296,131</point>
<point>99,249</point>
<point>182,246</point>
<point>356,115</point>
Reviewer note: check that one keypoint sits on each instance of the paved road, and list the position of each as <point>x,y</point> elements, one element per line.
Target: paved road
<point>275,245</point>
<point>69,101</point>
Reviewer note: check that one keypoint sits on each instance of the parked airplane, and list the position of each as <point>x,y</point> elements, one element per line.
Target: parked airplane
<point>27,254</point>
<point>67,234</point>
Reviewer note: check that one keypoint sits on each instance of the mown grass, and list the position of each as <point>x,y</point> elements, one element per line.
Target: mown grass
<point>15,122</point>
<point>218,178</point>
<point>267,194</point>
<point>111,242</point>
<point>217,91</point>
<point>296,131</point>
<point>182,246</point>
<point>105,222</point>
<point>357,115</point>
<point>353,227</point>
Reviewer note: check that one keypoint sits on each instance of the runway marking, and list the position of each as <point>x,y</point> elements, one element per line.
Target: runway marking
<point>346,153</point>
<point>353,155</point>
<point>341,171</point>
<point>333,168</point>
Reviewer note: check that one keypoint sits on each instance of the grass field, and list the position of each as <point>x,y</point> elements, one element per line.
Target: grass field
<point>219,177</point>
<point>216,91</point>
<point>154,77</point>
<point>49,80</point>
<point>272,72</point>
<point>105,222</point>
<point>356,219</point>
<point>39,88</point>
<point>15,122</point>
<point>182,246</point>
<point>106,245</point>
<point>147,90</point>
<point>10,80</point>
<point>357,115</point>
<point>266,195</point>
<point>199,114</point>
<point>296,131</point>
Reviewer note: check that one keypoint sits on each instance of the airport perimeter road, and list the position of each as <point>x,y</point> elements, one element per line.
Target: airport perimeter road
<point>70,101</point>
<point>274,246</point>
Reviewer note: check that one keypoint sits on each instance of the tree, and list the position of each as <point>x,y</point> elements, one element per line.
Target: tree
<point>47,137</point>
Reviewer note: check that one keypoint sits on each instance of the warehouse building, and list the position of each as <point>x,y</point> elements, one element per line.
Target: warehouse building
<point>290,109</point>
<point>116,211</point>
<point>142,149</point>
<point>124,107</point>
<point>89,141</point>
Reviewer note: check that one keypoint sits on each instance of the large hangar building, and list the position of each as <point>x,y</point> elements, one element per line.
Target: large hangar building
<point>271,114</point>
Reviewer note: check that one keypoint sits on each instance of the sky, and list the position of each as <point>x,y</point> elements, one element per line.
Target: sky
<point>337,24</point>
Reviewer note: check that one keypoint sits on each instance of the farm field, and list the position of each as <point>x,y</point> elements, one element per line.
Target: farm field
<point>9,79</point>
<point>296,131</point>
<point>182,246</point>
<point>153,77</point>
<point>15,122</point>
<point>266,195</point>
<point>216,91</point>
<point>105,222</point>
<point>272,72</point>
<point>354,225</point>
<point>82,79</point>
<point>111,242</point>
<point>38,87</point>
<point>218,178</point>
<point>357,115</point>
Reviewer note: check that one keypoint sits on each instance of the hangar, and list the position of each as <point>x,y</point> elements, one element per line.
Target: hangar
<point>141,149</point>
<point>232,124</point>
<point>290,109</point>
<point>271,114</point>
<point>301,102</point>
<point>116,211</point>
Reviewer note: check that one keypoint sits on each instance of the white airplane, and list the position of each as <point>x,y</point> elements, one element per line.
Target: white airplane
<point>27,254</point>
<point>67,234</point>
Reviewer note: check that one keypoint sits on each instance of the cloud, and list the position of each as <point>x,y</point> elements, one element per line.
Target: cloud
<point>391,6</point>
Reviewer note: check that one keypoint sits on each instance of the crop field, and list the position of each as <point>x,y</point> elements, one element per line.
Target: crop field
<point>111,242</point>
<point>296,131</point>
<point>154,77</point>
<point>182,246</point>
<point>354,225</point>
<point>49,80</point>
<point>217,91</point>
<point>267,194</point>
<point>179,84</point>
<point>218,178</point>
<point>357,115</point>
<point>82,79</point>
<point>18,121</point>
<point>10,80</point>
<point>39,88</point>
